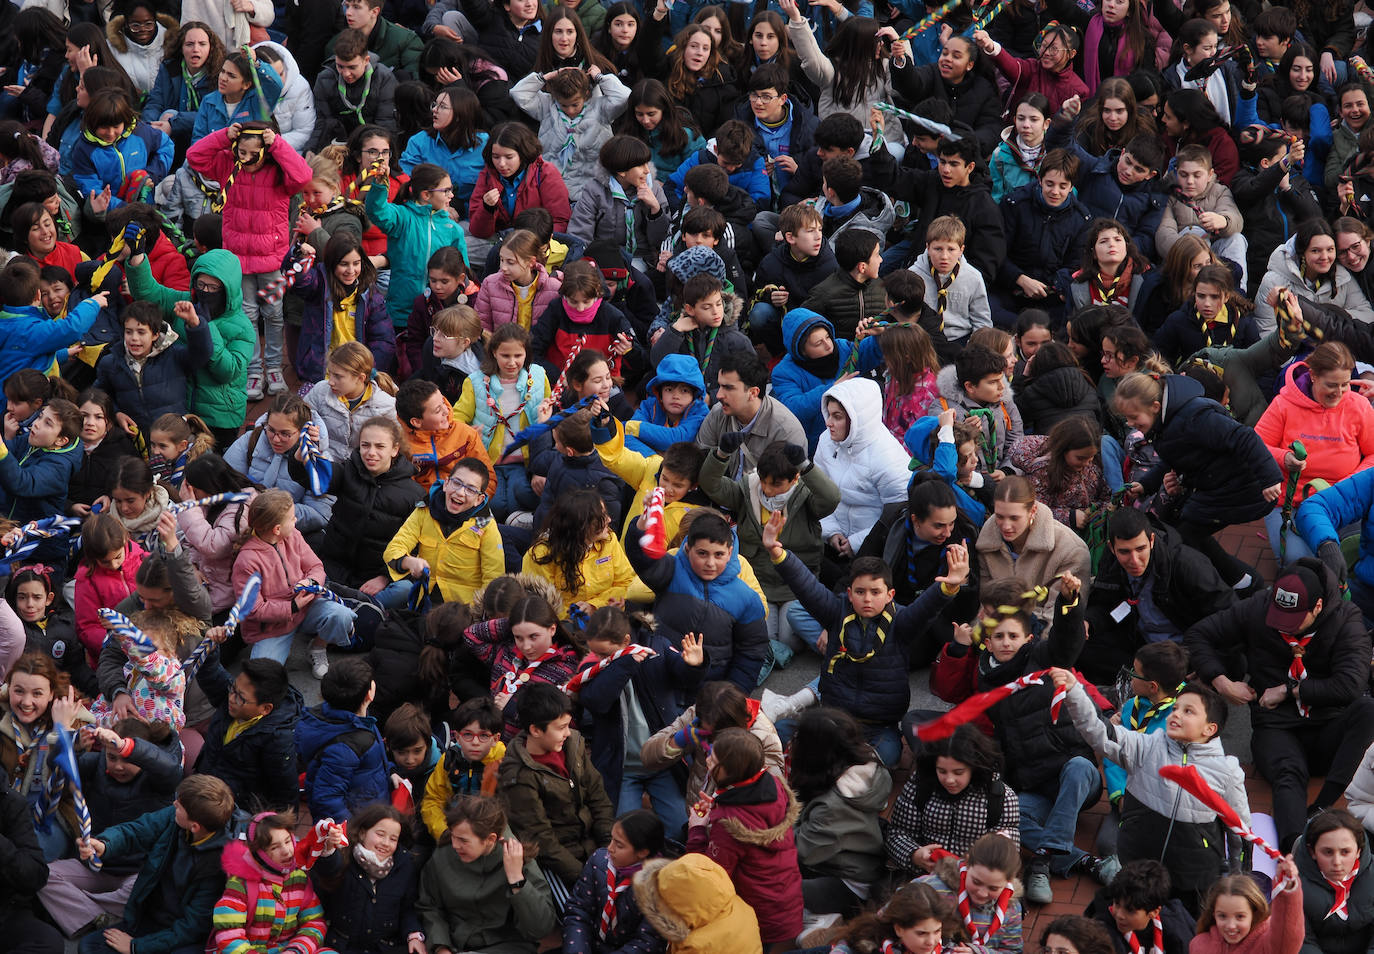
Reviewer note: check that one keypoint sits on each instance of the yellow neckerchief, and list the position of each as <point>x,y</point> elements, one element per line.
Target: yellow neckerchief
<point>1315,281</point>
<point>1222,320</point>
<point>882,622</point>
<point>238,727</point>
<point>354,403</point>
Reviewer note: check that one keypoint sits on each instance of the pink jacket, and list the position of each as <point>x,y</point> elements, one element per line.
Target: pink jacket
<point>1339,440</point>
<point>257,224</point>
<point>1125,60</point>
<point>1281,933</point>
<point>282,566</point>
<point>98,589</point>
<point>212,546</point>
<point>495,303</point>
<point>1028,76</point>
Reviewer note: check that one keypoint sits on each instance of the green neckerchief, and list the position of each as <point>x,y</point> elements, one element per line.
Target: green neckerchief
<point>192,94</point>
<point>618,192</point>
<point>356,110</point>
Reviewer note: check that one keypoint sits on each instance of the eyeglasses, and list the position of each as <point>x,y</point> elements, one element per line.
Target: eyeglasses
<point>1129,673</point>
<point>239,697</point>
<point>284,435</point>
<point>455,484</point>
<point>205,289</point>
<point>764,98</point>
<point>1352,248</point>
<point>446,190</point>
<point>467,736</point>
<point>140,26</point>
<point>440,104</point>
<point>376,153</point>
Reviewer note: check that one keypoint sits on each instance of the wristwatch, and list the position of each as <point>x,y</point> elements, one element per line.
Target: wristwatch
<point>516,885</point>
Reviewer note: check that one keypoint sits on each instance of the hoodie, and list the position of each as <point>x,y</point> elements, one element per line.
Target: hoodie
<point>265,908</point>
<point>648,431</point>
<point>799,381</point>
<point>691,903</point>
<point>868,465</point>
<point>295,110</point>
<point>1339,440</point>
<point>839,832</point>
<point>1005,428</point>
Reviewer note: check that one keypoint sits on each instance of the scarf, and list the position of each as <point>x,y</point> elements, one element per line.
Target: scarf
<point>705,360</point>
<point>942,287</point>
<point>569,146</point>
<point>580,679</point>
<point>1030,155</point>
<point>168,470</point>
<point>1297,669</point>
<point>1221,324</point>
<point>1115,293</point>
<point>374,867</point>
<point>581,316</point>
<point>1156,939</point>
<point>881,623</point>
<point>617,883</point>
<point>192,94</point>
<point>840,211</point>
<point>356,109</point>
<point>999,910</point>
<point>1316,280</point>
<point>826,367</point>
<point>618,194</point>
<point>513,680</point>
<point>1341,890</point>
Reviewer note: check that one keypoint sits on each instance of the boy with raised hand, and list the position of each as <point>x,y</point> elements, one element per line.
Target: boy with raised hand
<point>868,655</point>
<point>1195,852</point>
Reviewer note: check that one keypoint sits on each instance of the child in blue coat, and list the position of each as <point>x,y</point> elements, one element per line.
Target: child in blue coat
<point>815,360</point>
<point>28,336</point>
<point>674,409</point>
<point>117,153</point>
<point>37,465</point>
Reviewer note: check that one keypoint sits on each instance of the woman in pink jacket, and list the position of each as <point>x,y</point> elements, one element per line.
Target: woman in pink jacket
<point>521,289</point>
<point>276,551</point>
<point>1335,423</point>
<point>259,172</point>
<point>109,564</point>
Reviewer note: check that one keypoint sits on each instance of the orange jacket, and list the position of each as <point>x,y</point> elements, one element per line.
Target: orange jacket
<point>435,452</point>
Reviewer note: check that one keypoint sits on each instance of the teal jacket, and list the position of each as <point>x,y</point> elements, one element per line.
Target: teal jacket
<point>219,391</point>
<point>414,233</point>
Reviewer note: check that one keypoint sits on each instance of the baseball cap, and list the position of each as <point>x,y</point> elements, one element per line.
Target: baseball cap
<point>1295,592</point>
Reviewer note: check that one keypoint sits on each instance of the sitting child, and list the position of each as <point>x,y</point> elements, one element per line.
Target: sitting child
<point>976,386</point>
<point>470,766</point>
<point>1137,911</point>
<point>702,329</point>
<point>147,373</point>
<point>49,631</point>
<point>575,465</point>
<point>580,318</point>
<point>341,750</point>
<point>953,288</point>
<point>528,645</point>
<point>266,864</point>
<point>437,436</point>
<point>603,916</point>
<point>673,407</point>
<point>37,465</point>
<point>984,885</point>
<point>622,203</point>
<point>1202,205</point>
<point>105,577</point>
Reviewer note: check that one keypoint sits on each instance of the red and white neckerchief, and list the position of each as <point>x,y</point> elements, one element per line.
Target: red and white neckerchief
<point>974,706</point>
<point>310,847</point>
<point>572,354</point>
<point>1342,894</point>
<point>1156,939</point>
<point>654,540</point>
<point>1297,669</point>
<point>615,887</point>
<point>894,947</point>
<point>586,675</point>
<point>703,806</point>
<point>513,680</point>
<point>999,910</point>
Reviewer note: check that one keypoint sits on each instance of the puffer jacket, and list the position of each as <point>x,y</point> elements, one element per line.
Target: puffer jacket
<point>648,432</point>
<point>531,387</point>
<point>258,764</point>
<point>414,233</point>
<point>1339,440</point>
<point>253,456</point>
<point>257,227</point>
<point>159,385</point>
<point>496,304</point>
<point>1050,549</point>
<point>630,933</point>
<point>1223,464</point>
<point>96,165</point>
<point>1333,935</point>
<point>34,481</point>
<point>295,109</point>
<point>538,185</point>
<point>462,165</point>
<point>556,336</point>
<point>691,903</point>
<point>213,114</point>
<point>1045,400</point>
<point>369,510</point>
<point>606,101</point>
<point>1028,76</point>
<point>1285,270</point>
<point>264,909</point>
<point>281,565</point>
<point>800,382</point>
<point>435,452</point>
<point>780,268</point>
<point>343,421</point>
<point>869,466</point>
<point>1041,240</point>
<point>1138,207</point>
<point>140,63</point>
<point>211,545</point>
<point>461,561</point>
<point>1321,516</point>
<point>749,833</point>
<point>344,760</point>
<point>1182,335</point>
<point>152,789</point>
<point>366,915</point>
<point>599,217</point>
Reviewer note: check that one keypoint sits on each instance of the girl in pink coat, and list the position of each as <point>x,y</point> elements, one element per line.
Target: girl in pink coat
<point>1318,406</point>
<point>521,289</point>
<point>109,563</point>
<point>259,172</point>
<point>1237,917</point>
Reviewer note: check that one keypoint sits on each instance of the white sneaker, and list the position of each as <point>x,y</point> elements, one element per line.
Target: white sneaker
<point>254,391</point>
<point>778,707</point>
<point>815,928</point>
<point>276,384</point>
<point>319,662</point>
<point>523,519</point>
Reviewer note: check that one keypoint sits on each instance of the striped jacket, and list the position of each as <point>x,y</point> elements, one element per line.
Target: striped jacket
<point>263,910</point>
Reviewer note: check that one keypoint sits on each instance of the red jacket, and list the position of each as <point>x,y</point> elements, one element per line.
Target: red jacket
<point>1028,76</point>
<point>168,265</point>
<point>282,566</point>
<point>542,187</point>
<point>1339,440</point>
<point>749,834</point>
<point>98,588</point>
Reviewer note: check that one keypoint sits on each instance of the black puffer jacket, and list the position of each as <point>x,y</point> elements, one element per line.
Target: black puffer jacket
<point>975,102</point>
<point>22,868</point>
<point>57,640</point>
<point>1337,658</point>
<point>1271,217</point>
<point>1046,399</point>
<point>712,101</point>
<point>1041,240</point>
<point>151,790</point>
<point>93,478</point>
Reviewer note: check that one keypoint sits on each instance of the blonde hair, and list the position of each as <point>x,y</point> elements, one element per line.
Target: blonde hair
<point>947,228</point>
<point>268,510</point>
<point>459,321</point>
<point>189,428</point>
<point>994,339</point>
<point>524,245</point>
<point>326,170</point>
<point>1139,388</point>
<point>167,629</point>
<point>355,358</point>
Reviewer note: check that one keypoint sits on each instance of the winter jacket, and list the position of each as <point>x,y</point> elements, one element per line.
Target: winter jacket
<point>1182,334</point>
<point>234,28</point>
<point>660,752</point>
<point>1045,400</point>
<point>496,304</point>
<point>556,336</point>
<point>1050,549</point>
<point>780,267</point>
<point>158,384</point>
<point>369,511</point>
<point>28,336</point>
<point>463,165</point>
<point>749,833</point>
<point>1005,428</point>
<point>1339,440</point>
<point>1028,76</point>
<point>1223,463</point>
<point>800,383</point>
<point>1178,217</point>
<point>869,466</point>
<point>1083,488</point>
<point>606,572</point>
<point>252,455</point>
<point>454,774</point>
<point>259,763</point>
<point>772,422</point>
<point>1008,168</point>
<point>96,165</point>
<point>691,903</point>
<point>34,481</point>
<point>281,565</point>
<point>751,177</point>
<point>470,907</point>
<point>1321,516</point>
<point>263,909</point>
<point>974,101</point>
<point>170,94</point>
<point>649,432</point>
<point>511,46</point>
<point>343,421</point>
<point>606,101</point>
<point>568,817</point>
<point>211,545</point>
<point>295,109</point>
<point>631,934</point>
<point>531,387</point>
<point>1242,368</point>
<point>176,889</point>
<point>1194,850</point>
<point>1344,145</point>
<point>1271,216</point>
<point>257,227</point>
<point>926,814</point>
<point>397,47</point>
<point>945,881</point>
<point>366,915</point>
<point>55,637</point>
<point>21,857</point>
<point>492,645</point>
<point>414,232</point>
<point>152,789</point>
<point>600,216</point>
<point>371,325</point>
<point>214,114</point>
<point>1183,586</point>
<point>1139,207</point>
<point>838,833</point>
<point>1040,239</point>
<point>335,122</point>
<point>1281,933</point>
<point>1336,659</point>
<point>845,301</point>
<point>726,611</point>
<point>915,564</point>
<point>537,185</point>
<point>1326,933</point>
<point>99,588</point>
<point>435,452</point>
<point>344,760</point>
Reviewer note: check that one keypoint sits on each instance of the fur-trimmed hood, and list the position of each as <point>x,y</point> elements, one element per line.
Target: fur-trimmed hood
<point>738,829</point>
<point>114,34</point>
<point>680,896</point>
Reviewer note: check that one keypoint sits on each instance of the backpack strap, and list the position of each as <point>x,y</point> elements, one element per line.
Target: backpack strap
<point>997,794</point>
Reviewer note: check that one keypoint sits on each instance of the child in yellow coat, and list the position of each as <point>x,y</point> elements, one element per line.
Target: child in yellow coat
<point>578,553</point>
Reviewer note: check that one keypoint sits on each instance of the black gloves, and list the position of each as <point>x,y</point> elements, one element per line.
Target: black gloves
<point>731,442</point>
<point>796,455</point>
<point>1330,554</point>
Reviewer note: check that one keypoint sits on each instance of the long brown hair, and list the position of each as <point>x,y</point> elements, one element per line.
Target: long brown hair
<point>681,83</point>
<point>908,352</point>
<point>1072,433</point>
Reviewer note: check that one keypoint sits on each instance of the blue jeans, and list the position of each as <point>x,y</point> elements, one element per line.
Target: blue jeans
<point>94,943</point>
<point>513,491</point>
<point>763,315</point>
<point>804,626</point>
<point>666,797</point>
<point>330,621</point>
<point>396,594</point>
<point>1297,546</point>
<point>1048,822</point>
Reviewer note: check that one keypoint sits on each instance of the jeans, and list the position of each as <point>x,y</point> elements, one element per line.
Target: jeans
<point>666,797</point>
<point>330,621</point>
<point>271,335</point>
<point>1296,546</point>
<point>803,626</point>
<point>1048,821</point>
<point>1113,462</point>
<point>513,491</point>
<point>94,943</point>
<point>396,594</point>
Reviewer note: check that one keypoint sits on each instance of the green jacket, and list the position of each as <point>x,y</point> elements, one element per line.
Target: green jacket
<point>591,12</point>
<point>396,46</point>
<point>568,818</point>
<point>469,907</point>
<point>1243,367</point>
<point>814,498</point>
<point>219,391</point>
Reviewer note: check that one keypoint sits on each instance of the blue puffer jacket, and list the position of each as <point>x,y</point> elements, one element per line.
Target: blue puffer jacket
<point>751,177</point>
<point>28,337</point>
<point>372,325</point>
<point>169,94</point>
<point>274,470</point>
<point>341,774</point>
<point>795,381</point>
<point>655,434</point>
<point>33,482</point>
<point>96,165</point>
<point>163,383</point>
<point>867,678</point>
<point>462,165</point>
<point>726,611</point>
<point>1138,207</point>
<point>1322,515</point>
<point>1224,464</point>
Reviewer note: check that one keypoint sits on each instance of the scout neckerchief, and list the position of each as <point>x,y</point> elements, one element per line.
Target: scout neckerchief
<point>515,679</point>
<point>219,201</point>
<point>356,109</point>
<point>586,675</point>
<point>1156,939</point>
<point>192,94</point>
<point>511,420</point>
<point>942,292</point>
<point>710,346</point>
<point>881,623</point>
<point>618,192</point>
<point>1341,890</point>
<point>1221,324</point>
<point>569,146</point>
<point>1106,294</point>
<point>1297,669</point>
<point>999,909</point>
<point>1138,721</point>
<point>703,806</point>
<point>617,883</point>
<point>1315,280</point>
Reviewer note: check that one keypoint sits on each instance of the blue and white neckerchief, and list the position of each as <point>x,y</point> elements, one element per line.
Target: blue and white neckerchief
<point>618,192</point>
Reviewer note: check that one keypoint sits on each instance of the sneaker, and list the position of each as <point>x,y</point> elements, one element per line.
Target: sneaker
<point>319,662</point>
<point>255,387</point>
<point>276,384</point>
<point>1038,890</point>
<point>522,519</point>
<point>1101,870</point>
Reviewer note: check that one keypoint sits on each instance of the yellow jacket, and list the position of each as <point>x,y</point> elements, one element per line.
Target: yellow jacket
<point>606,573</point>
<point>465,561</point>
<point>641,473</point>
<point>439,788</point>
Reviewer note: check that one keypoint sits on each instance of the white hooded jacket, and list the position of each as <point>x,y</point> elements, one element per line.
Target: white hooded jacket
<point>295,112</point>
<point>869,466</point>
